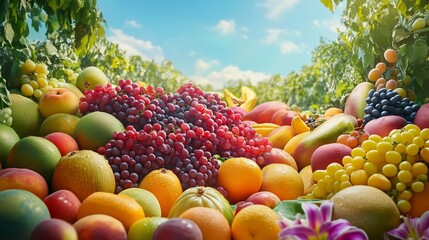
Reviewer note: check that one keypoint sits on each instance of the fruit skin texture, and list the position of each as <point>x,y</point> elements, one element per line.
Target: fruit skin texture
<point>63,204</point>
<point>367,208</point>
<point>278,155</point>
<point>266,198</point>
<point>281,135</point>
<point>263,112</point>
<point>329,153</point>
<point>283,117</point>
<point>201,196</point>
<point>20,212</point>
<point>58,100</point>
<point>95,129</point>
<point>8,138</point>
<point>327,132</point>
<point>64,142</point>
<point>146,199</point>
<point>166,187</point>
<point>356,102</point>
<point>211,222</point>
<point>83,172</point>
<point>144,228</point>
<point>26,116</point>
<point>35,153</point>
<point>100,226</point>
<point>60,122</point>
<point>419,202</point>
<point>282,180</point>
<point>90,77</point>
<point>422,119</point>
<point>255,222</point>
<point>247,100</point>
<point>382,126</point>
<point>55,229</point>
<point>307,179</point>
<point>178,229</point>
<point>25,179</point>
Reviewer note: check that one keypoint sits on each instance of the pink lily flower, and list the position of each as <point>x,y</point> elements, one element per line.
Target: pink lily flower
<point>411,229</point>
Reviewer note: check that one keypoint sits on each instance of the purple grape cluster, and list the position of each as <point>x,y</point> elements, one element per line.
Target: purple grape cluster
<point>186,132</point>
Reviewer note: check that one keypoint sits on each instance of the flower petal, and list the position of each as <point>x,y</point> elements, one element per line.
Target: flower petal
<point>326,210</point>
<point>353,233</point>
<point>423,224</point>
<point>401,232</point>
<point>314,216</point>
<point>297,231</point>
<point>335,228</point>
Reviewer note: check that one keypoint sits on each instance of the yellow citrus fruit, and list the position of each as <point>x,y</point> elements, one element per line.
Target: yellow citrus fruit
<point>83,172</point>
<point>122,207</point>
<point>255,222</point>
<point>166,187</point>
<point>211,222</point>
<point>282,180</point>
<point>240,177</point>
<point>60,122</point>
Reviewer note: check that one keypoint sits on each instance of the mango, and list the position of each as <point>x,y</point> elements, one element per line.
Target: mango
<point>356,102</point>
<point>263,112</point>
<point>327,132</point>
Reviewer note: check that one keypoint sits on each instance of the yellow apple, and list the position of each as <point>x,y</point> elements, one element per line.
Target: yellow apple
<point>90,77</point>
<point>58,100</point>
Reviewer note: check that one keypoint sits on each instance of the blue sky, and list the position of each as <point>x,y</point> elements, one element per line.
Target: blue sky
<point>216,41</point>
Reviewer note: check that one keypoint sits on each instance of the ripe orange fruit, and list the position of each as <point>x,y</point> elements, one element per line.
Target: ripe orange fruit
<point>391,56</point>
<point>166,187</point>
<point>255,222</point>
<point>83,172</point>
<point>122,207</point>
<point>211,222</point>
<point>282,180</point>
<point>419,202</point>
<point>60,122</point>
<point>240,177</point>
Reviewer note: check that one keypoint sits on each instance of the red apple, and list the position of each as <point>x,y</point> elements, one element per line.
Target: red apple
<point>329,153</point>
<point>58,100</point>
<point>53,229</point>
<point>63,204</point>
<point>64,142</point>
<point>264,198</point>
<point>422,119</point>
<point>25,179</point>
<point>240,205</point>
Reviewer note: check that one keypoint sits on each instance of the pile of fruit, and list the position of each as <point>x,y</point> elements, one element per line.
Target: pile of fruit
<point>82,158</point>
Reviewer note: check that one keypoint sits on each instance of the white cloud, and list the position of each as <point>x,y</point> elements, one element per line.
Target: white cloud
<point>273,35</point>
<point>225,26</point>
<point>276,8</point>
<point>133,24</point>
<point>333,24</point>
<point>289,47</point>
<point>135,46</point>
<point>204,66</point>
<point>218,78</point>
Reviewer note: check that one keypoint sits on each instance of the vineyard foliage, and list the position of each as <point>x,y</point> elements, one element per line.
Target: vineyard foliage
<point>75,38</point>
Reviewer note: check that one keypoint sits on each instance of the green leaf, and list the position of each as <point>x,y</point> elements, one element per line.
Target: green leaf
<point>4,6</point>
<point>400,34</point>
<point>418,51</point>
<point>9,32</point>
<point>329,4</point>
<point>290,208</point>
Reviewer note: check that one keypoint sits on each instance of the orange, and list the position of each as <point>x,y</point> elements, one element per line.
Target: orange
<point>211,222</point>
<point>419,202</point>
<point>122,207</point>
<point>166,187</point>
<point>240,177</point>
<point>294,141</point>
<point>60,122</point>
<point>83,172</point>
<point>332,111</point>
<point>282,180</point>
<point>255,222</point>
<point>307,178</point>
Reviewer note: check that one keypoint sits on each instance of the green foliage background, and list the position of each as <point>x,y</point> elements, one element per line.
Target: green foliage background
<point>75,39</point>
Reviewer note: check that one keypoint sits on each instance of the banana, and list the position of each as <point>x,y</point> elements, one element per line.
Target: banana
<point>299,125</point>
<point>247,100</point>
<point>264,128</point>
<point>264,131</point>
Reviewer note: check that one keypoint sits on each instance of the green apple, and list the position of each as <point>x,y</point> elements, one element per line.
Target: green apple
<point>144,228</point>
<point>146,199</point>
<point>90,77</point>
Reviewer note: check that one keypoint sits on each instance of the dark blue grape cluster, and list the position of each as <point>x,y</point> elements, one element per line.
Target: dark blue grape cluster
<point>385,102</point>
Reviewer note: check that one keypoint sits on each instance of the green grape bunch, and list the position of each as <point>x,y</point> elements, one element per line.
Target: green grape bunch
<point>6,116</point>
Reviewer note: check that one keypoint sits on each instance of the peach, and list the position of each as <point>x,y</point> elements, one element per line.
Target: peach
<point>58,100</point>
<point>422,119</point>
<point>25,179</point>
<point>328,153</point>
<point>63,204</point>
<point>263,112</point>
<point>64,142</point>
<point>264,198</point>
<point>100,226</point>
<point>278,155</point>
<point>384,125</point>
<point>283,117</point>
<point>53,229</point>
